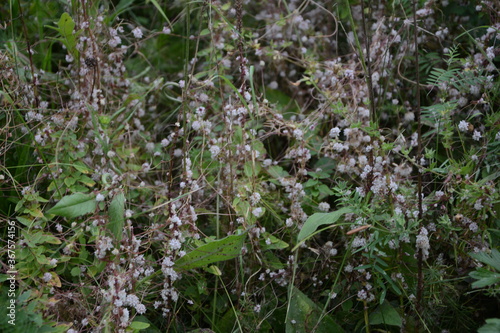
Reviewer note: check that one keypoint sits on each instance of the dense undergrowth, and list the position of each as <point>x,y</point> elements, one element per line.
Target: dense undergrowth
<point>250,166</point>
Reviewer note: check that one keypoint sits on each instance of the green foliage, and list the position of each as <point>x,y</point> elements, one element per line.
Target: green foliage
<point>218,250</point>
<point>386,314</point>
<point>74,205</point>
<point>319,219</point>
<point>484,277</point>
<point>304,316</point>
<point>117,216</point>
<point>179,166</point>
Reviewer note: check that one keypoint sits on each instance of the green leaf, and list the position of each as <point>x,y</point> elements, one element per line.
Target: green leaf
<point>484,278</point>
<point>76,271</point>
<point>139,325</point>
<point>155,3</point>
<point>318,219</point>
<point>277,172</point>
<point>117,216</point>
<point>204,32</point>
<point>82,167</point>
<point>492,326</point>
<point>25,221</point>
<point>85,180</point>
<point>66,26</point>
<point>212,269</point>
<point>69,181</point>
<point>306,314</point>
<point>275,243</point>
<point>219,250</point>
<point>387,315</point>
<point>251,169</point>
<point>238,135</point>
<point>74,205</point>
<point>39,237</point>
<point>492,259</point>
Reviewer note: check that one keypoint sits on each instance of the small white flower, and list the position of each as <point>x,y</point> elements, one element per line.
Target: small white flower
<point>324,206</point>
<point>175,244</point>
<point>258,212</point>
<point>137,32</point>
<point>477,135</point>
<point>99,197</point>
<point>273,85</point>
<point>334,132</point>
<point>463,126</point>
<point>214,151</point>
<point>47,277</point>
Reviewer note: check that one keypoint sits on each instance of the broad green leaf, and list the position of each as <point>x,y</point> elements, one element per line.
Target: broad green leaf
<point>139,325</point>
<point>39,237</point>
<point>238,135</point>
<point>305,315</point>
<point>25,221</point>
<point>35,211</point>
<point>76,271</point>
<point>277,172</point>
<point>484,278</point>
<point>318,219</point>
<point>219,250</point>
<point>492,259</point>
<point>204,32</point>
<point>69,181</point>
<point>117,216</point>
<point>66,26</point>
<point>74,205</point>
<point>82,167</point>
<point>251,169</point>
<point>387,315</point>
<point>85,180</point>
<point>274,243</point>
<point>492,326</point>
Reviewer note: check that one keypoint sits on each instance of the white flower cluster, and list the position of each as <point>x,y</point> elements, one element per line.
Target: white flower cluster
<point>324,206</point>
<point>104,243</point>
<point>423,242</point>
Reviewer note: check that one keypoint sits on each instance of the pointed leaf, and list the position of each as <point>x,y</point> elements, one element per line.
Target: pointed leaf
<point>117,216</point>
<point>219,250</point>
<point>492,259</point>
<point>318,219</point>
<point>74,205</point>
<point>387,315</point>
<point>304,315</point>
